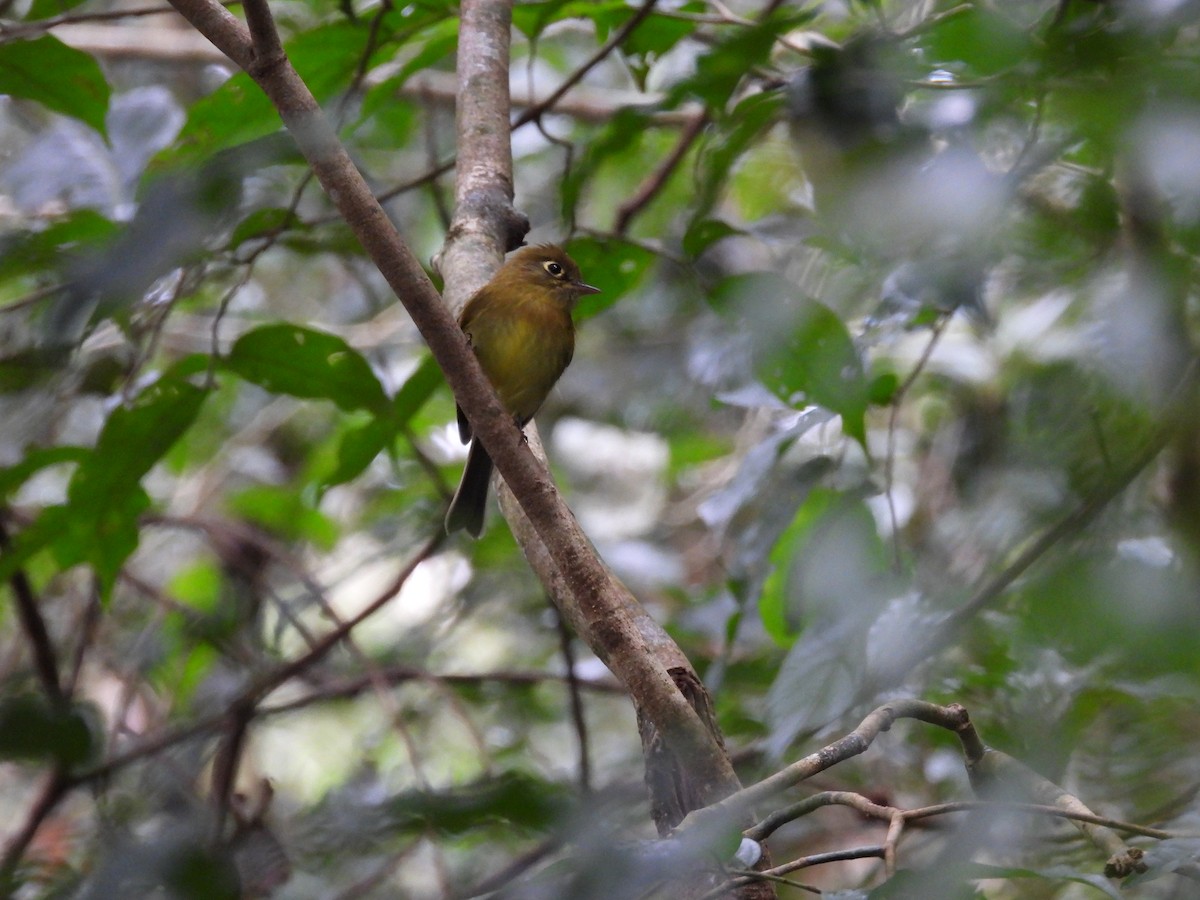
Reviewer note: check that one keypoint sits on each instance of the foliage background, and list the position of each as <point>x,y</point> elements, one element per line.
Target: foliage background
<point>897,324</point>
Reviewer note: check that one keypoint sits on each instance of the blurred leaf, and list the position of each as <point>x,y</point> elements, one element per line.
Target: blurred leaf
<point>99,523</point>
<point>945,882</point>
<point>721,69</point>
<point>703,233</point>
<point>737,133</point>
<point>12,477</point>
<point>360,444</point>
<point>961,874</point>
<point>512,798</point>
<point>781,612</point>
<point>882,390</point>
<point>282,511</point>
<point>262,223</point>
<point>818,682</point>
<point>416,391</point>
<point>357,449</point>
<point>438,43</point>
<point>235,113</point>
<point>532,18</point>
<point>27,368</point>
<point>821,363</point>
<point>825,562</point>
<point>103,537</point>
<point>614,266</point>
<point>31,729</point>
<point>831,575</point>
<point>806,354</point>
<point>44,9</point>
<point>622,134</point>
<point>32,252</point>
<point>59,77</point>
<point>133,439</point>
<point>1164,858</point>
<point>238,112</point>
<point>195,871</point>
<point>1082,606</point>
<point>659,33</point>
<point>363,443</point>
<point>655,37</point>
<point>289,359</point>
<point>198,585</point>
<point>983,41</point>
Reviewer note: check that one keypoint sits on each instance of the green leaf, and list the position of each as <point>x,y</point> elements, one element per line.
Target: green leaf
<point>622,134</point>
<point>235,113</point>
<point>805,353</point>
<point>658,33</point>
<point>357,449</point>
<point>721,69</point>
<point>984,42</point>
<point>437,43</point>
<point>532,18</point>
<point>59,77</point>
<point>1080,606</point>
<point>820,363</point>
<point>98,525</point>
<point>703,233</point>
<point>954,880</point>
<point>239,112</point>
<point>514,799</point>
<point>133,439</point>
<point>283,511</point>
<point>738,132</point>
<point>360,444</point>
<point>882,389</point>
<point>32,729</point>
<point>614,266</point>
<point>416,391</point>
<point>780,606</point>
<point>12,477</point>
<point>301,362</point>
<point>101,537</point>
<point>44,9</point>
<point>829,584</point>
<point>32,252</point>
<point>262,223</point>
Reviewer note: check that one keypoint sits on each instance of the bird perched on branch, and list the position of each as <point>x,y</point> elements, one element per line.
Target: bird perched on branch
<point>519,325</point>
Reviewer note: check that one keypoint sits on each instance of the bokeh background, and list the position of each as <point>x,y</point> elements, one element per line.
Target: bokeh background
<point>890,392</point>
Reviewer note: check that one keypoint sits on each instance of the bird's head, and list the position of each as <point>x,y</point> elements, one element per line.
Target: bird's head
<point>547,267</point>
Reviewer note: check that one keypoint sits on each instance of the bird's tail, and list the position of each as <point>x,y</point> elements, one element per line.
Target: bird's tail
<point>470,500</point>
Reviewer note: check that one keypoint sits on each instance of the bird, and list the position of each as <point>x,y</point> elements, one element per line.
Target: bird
<point>519,326</point>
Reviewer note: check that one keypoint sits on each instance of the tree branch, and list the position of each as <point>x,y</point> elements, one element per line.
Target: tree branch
<point>597,593</point>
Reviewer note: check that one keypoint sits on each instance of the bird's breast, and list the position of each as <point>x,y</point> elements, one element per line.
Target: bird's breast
<point>523,348</point>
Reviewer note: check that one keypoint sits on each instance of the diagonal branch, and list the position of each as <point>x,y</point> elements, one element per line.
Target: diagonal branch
<point>627,652</point>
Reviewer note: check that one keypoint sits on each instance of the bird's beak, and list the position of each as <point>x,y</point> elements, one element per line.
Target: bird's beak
<point>582,288</point>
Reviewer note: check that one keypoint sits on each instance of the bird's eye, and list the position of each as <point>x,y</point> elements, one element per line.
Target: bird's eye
<point>553,268</point>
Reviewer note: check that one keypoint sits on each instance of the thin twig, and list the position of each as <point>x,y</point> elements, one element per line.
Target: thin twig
<point>657,180</point>
<point>45,661</point>
<point>889,460</point>
<point>614,41</point>
<point>399,674</point>
<point>804,862</point>
<point>576,698</point>
<point>86,630</point>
